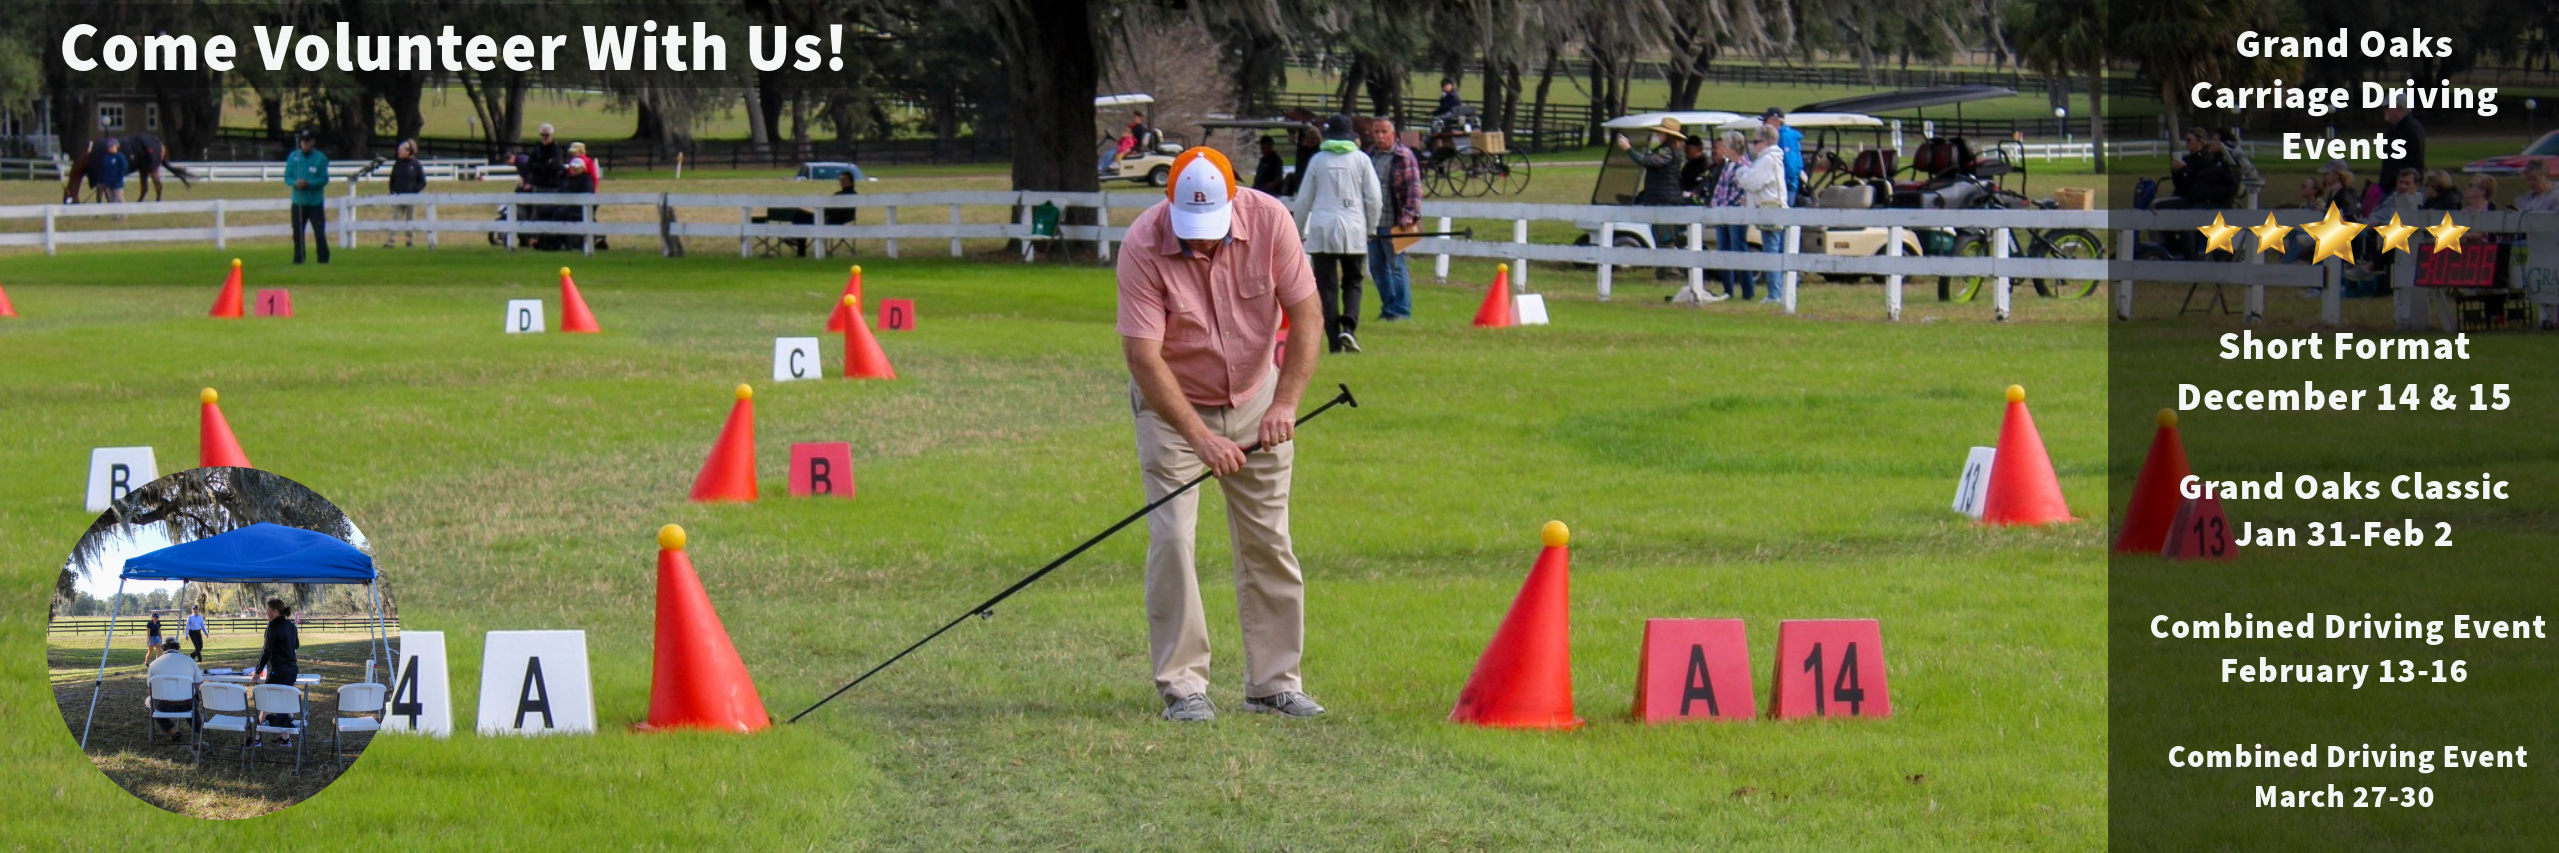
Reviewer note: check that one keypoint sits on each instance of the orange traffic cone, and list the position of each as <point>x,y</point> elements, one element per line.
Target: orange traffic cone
<point>1525,679</point>
<point>1496,313</point>
<point>573,314</point>
<point>696,680</point>
<point>227,303</point>
<point>6,309</point>
<point>852,288</point>
<point>2154,494</point>
<point>215,445</point>
<point>2023,489</point>
<point>729,475</point>
<point>862,356</point>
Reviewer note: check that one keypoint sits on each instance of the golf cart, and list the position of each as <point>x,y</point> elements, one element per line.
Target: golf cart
<point>1151,162</point>
<point>1620,180</point>
<point>1247,130</point>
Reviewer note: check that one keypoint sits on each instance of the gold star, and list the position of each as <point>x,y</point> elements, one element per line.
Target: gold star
<point>2448,235</point>
<point>2270,236</point>
<point>2219,236</point>
<point>2336,236</point>
<point>2395,235</point>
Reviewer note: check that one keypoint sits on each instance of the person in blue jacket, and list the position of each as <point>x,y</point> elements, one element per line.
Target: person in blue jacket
<point>1793,141</point>
<point>306,170</point>
<point>112,167</point>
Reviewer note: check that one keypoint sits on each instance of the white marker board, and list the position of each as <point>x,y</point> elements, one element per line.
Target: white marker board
<point>1975,483</point>
<point>421,700</point>
<point>114,471</point>
<point>796,358</point>
<point>523,316</point>
<point>1529,309</point>
<point>535,683</point>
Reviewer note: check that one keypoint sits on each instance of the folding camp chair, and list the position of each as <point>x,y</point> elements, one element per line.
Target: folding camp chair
<point>173,688</point>
<point>363,699</point>
<point>228,707</point>
<point>283,699</point>
<point>1043,221</point>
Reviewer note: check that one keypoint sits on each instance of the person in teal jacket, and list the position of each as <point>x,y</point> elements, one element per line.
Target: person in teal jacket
<point>306,170</point>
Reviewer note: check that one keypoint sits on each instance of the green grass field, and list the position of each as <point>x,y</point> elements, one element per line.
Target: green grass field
<point>1715,463</point>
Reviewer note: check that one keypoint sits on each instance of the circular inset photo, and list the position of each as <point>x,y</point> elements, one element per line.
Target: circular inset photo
<point>218,641</point>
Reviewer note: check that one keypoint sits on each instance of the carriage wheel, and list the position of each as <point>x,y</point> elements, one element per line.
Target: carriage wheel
<point>1437,177</point>
<point>1480,169</point>
<point>1510,173</point>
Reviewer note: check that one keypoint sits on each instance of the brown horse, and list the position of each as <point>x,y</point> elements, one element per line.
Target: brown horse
<point>144,156</point>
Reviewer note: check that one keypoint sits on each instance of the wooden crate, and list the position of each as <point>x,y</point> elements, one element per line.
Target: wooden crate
<point>1488,141</point>
<point>2075,198</point>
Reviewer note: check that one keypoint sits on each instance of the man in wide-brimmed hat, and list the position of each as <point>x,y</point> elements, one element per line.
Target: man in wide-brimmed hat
<point>1661,164</point>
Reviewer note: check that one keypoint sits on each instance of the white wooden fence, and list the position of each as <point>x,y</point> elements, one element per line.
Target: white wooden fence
<point>937,217</point>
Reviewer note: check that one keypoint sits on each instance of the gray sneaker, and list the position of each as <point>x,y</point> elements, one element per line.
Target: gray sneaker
<point>1287,704</point>
<point>1190,709</point>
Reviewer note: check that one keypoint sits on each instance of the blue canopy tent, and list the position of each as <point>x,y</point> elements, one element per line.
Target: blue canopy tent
<point>258,553</point>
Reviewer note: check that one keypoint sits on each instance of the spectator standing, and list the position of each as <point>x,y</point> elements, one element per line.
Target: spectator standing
<point>1792,142</point>
<point>195,630</point>
<point>1763,185</point>
<point>594,170</point>
<point>548,163</point>
<point>408,177</point>
<point>1308,137</point>
<point>1337,206</point>
<point>306,170</point>
<point>151,637</point>
<point>277,659</point>
<point>111,171</point>
<point>2405,129</point>
<point>1696,170</point>
<point>1728,192</point>
<point>1269,174</point>
<point>174,663</point>
<point>1399,175</point>
<point>1661,172</point>
<point>2539,196</point>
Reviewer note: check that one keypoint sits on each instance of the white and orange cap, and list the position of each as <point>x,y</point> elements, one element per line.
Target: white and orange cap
<point>1202,192</point>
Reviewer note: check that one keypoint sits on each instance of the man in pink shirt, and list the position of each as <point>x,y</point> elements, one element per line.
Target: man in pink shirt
<point>1203,279</point>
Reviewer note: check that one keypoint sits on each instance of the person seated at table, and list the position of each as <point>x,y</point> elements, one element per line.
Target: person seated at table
<point>277,661</point>
<point>174,663</point>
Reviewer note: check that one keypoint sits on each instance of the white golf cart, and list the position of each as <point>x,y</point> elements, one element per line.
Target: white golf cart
<point>1151,163</point>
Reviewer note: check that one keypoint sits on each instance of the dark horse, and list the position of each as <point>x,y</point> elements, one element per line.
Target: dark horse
<point>144,156</point>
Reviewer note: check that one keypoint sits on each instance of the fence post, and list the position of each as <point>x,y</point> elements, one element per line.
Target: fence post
<point>745,220</point>
<point>1102,217</point>
<point>1893,282</point>
<point>2124,287</point>
<point>1999,304</point>
<point>1027,251</point>
<point>432,233</point>
<point>1607,271</point>
<point>1697,275</point>
<point>512,236</point>
<point>889,245</point>
<point>590,234</point>
<point>221,234</point>
<point>819,251</point>
<point>49,211</point>
<point>1794,243</point>
<point>955,224</point>
<point>1440,267</point>
<point>2256,292</point>
<point>1519,266</point>
<point>2332,294</point>
<point>2403,295</point>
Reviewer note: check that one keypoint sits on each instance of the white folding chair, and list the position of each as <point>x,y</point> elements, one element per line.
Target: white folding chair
<point>283,699</point>
<point>173,688</point>
<point>363,699</point>
<point>227,705</point>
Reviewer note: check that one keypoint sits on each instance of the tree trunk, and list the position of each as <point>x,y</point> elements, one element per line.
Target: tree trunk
<point>2097,113</point>
<point>1488,94</point>
<point>271,109</point>
<point>1510,95</point>
<point>646,123</point>
<point>1347,99</point>
<point>758,133</point>
<point>1545,85</point>
<point>1053,64</point>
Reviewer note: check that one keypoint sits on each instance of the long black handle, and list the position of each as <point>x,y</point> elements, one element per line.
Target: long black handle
<point>988,608</point>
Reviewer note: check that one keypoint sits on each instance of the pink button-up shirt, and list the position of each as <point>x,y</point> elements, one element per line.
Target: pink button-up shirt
<point>1218,318</point>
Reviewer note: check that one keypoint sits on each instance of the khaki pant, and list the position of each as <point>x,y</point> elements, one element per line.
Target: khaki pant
<point>1269,593</point>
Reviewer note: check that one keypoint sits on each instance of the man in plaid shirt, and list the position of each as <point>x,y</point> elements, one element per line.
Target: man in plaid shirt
<point>1400,174</point>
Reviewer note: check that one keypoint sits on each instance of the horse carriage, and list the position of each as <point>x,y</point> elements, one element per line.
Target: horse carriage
<point>1459,158</point>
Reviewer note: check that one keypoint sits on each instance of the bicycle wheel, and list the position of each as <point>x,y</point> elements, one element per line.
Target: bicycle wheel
<point>1974,245</point>
<point>2070,244</point>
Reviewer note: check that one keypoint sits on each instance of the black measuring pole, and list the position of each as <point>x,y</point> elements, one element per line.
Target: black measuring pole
<point>988,608</point>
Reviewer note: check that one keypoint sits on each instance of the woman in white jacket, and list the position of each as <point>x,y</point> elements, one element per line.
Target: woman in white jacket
<point>1337,205</point>
<point>1763,184</point>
